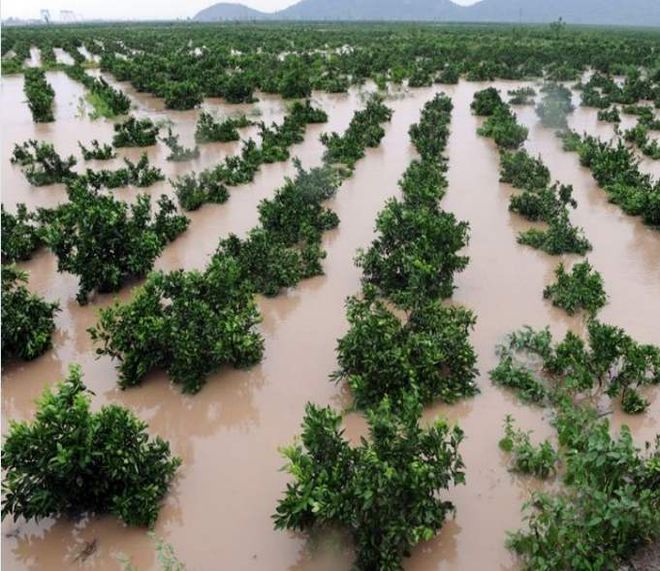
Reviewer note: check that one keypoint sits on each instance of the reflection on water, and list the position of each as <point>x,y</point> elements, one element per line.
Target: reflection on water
<point>218,514</point>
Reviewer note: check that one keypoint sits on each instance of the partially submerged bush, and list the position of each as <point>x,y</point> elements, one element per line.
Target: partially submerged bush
<point>581,289</point>
<point>135,133</point>
<point>522,96</point>
<point>523,171</point>
<point>140,174</point>
<point>555,106</point>
<point>106,242</point>
<point>70,460</point>
<point>22,234</point>
<point>429,355</point>
<point>193,190</point>
<point>547,204</point>
<point>610,115</point>
<point>97,152</point>
<point>609,360</point>
<point>177,151</point>
<point>526,458</point>
<point>187,323</point>
<point>504,129</point>
<point>211,130</point>
<point>486,102</point>
<point>27,319</point>
<point>561,237</point>
<point>431,133</point>
<point>639,136</point>
<point>415,254</point>
<point>385,492</point>
<point>268,264</point>
<point>364,131</point>
<point>608,507</point>
<point>296,209</point>
<point>41,164</point>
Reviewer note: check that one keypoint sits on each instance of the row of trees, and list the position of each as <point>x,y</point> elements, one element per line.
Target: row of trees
<point>538,200</point>
<point>284,249</point>
<point>107,101</point>
<point>616,169</point>
<point>187,62</point>
<point>195,189</point>
<point>188,323</point>
<point>387,490</point>
<point>40,95</point>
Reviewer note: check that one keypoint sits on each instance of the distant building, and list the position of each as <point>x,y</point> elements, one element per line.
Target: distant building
<point>68,16</point>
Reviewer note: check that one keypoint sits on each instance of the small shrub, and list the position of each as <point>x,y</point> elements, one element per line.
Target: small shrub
<point>41,164</point>
<point>188,323</point>
<point>539,461</point>
<point>97,152</point>
<point>430,355</point>
<point>70,460</point>
<point>582,288</point>
<point>135,133</point>
<point>385,492</point>
<point>27,319</point>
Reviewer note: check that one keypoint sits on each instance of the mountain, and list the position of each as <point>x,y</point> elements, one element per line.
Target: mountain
<point>371,10</point>
<point>228,11</point>
<point>599,12</point>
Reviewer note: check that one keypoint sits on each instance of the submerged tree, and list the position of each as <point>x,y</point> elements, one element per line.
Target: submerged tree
<point>41,164</point>
<point>609,360</point>
<point>187,323</point>
<point>106,241</point>
<point>608,507</point>
<point>385,492</point>
<point>582,288</point>
<point>415,254</point>
<point>27,319</point>
<point>70,460</point>
<point>429,355</point>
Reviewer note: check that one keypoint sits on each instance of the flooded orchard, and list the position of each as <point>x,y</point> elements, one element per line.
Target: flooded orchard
<point>218,513</point>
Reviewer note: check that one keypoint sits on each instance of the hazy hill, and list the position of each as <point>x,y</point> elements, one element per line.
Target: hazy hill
<point>604,12</point>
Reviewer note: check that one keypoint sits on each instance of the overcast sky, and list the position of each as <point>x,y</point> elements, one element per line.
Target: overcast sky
<point>131,9</point>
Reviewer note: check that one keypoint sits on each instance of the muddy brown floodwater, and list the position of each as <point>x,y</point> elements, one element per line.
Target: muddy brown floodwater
<point>217,515</point>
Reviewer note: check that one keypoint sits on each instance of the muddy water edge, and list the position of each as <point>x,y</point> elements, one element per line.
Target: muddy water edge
<point>218,512</point>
